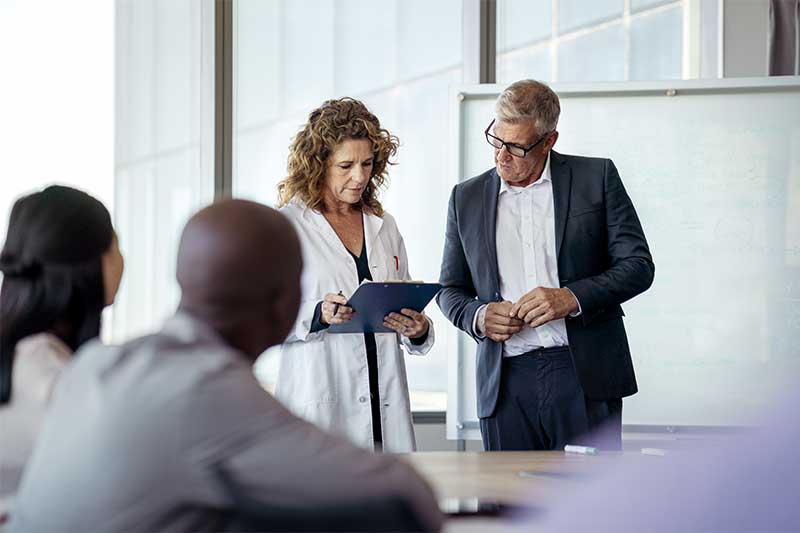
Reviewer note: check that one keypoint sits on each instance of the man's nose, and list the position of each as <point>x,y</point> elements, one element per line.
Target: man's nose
<point>503,154</point>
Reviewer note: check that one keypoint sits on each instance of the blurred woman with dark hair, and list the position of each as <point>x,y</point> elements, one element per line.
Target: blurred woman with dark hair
<point>61,266</point>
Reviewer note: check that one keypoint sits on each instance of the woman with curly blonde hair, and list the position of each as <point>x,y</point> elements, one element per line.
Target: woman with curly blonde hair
<point>351,384</point>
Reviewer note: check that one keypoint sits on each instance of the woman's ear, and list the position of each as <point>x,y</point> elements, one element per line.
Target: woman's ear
<point>113,265</point>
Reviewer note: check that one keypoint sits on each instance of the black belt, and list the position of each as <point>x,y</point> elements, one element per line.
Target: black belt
<point>538,352</point>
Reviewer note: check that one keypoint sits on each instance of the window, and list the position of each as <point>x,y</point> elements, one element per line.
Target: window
<point>57,99</point>
<point>400,57</point>
<point>606,40</point>
<point>115,98</point>
<point>138,129</point>
<point>164,147</point>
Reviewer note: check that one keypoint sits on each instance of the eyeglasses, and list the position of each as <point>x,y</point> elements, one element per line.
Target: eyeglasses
<point>513,149</point>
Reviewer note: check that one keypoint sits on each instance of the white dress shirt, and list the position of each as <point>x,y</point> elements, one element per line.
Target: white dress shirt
<point>526,258</point>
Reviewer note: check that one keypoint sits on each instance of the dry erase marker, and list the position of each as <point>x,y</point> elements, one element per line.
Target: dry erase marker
<point>654,451</point>
<point>583,450</point>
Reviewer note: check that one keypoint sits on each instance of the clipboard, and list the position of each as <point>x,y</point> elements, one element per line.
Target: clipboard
<point>372,301</point>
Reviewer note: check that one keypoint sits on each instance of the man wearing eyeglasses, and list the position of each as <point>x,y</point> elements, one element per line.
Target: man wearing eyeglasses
<point>540,252</point>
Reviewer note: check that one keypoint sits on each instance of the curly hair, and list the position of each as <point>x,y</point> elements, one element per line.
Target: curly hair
<point>328,126</point>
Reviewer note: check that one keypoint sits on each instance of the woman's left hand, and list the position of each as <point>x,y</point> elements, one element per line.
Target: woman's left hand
<point>407,323</point>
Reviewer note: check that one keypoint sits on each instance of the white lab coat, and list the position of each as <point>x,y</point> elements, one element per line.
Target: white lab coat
<point>323,377</point>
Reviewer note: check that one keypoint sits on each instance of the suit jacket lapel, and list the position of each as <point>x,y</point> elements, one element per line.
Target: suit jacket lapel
<point>491,189</point>
<point>562,186</point>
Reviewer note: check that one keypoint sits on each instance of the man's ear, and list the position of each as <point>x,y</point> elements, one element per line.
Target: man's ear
<point>552,140</point>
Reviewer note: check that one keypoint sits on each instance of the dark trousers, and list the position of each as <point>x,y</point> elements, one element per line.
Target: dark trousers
<point>541,406</point>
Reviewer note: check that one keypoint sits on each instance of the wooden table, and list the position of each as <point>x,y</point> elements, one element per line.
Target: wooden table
<point>496,476</point>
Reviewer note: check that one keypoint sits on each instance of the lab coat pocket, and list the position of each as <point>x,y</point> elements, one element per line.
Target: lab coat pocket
<point>379,272</point>
<point>379,263</point>
<point>319,373</point>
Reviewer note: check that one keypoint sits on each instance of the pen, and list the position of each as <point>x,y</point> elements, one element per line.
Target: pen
<point>336,306</point>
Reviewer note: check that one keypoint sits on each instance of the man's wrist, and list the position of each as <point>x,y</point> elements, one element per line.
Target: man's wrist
<point>576,308</point>
<point>479,322</point>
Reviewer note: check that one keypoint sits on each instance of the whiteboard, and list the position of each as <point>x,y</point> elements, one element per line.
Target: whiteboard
<point>713,169</point>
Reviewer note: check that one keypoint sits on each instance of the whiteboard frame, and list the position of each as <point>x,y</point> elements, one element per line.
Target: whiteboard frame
<point>459,428</point>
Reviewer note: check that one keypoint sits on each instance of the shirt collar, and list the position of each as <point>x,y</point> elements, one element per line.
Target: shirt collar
<point>545,177</point>
<point>189,329</point>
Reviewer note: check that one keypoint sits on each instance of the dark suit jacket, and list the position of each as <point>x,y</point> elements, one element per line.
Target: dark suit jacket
<point>603,258</point>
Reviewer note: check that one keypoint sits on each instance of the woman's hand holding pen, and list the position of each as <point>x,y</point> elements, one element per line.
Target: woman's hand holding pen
<point>334,310</point>
<point>408,323</point>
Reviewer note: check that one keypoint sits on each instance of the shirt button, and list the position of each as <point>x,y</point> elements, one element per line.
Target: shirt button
<point>362,399</point>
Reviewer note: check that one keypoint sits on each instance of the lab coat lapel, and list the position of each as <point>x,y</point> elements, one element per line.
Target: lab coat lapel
<point>317,221</point>
<point>372,226</point>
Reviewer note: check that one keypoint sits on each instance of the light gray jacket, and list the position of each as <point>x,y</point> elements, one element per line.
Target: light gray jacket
<point>134,435</point>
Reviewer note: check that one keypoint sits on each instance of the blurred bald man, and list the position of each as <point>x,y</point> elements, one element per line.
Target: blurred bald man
<point>136,433</point>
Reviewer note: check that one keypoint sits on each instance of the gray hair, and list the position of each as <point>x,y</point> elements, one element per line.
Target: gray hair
<point>526,100</point>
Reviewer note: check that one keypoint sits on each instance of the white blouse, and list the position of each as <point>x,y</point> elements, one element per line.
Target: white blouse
<point>38,361</point>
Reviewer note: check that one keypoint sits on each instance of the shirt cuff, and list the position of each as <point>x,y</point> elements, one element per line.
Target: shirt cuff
<point>579,311</point>
<point>478,322</point>
<point>316,322</point>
